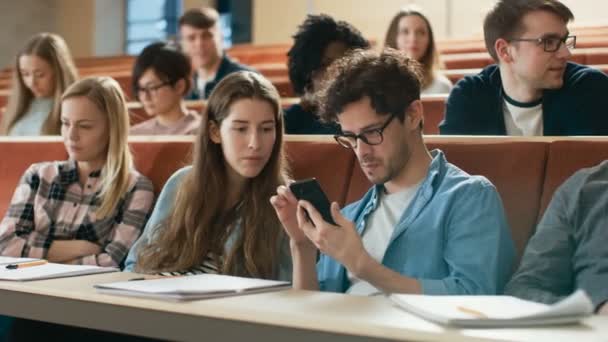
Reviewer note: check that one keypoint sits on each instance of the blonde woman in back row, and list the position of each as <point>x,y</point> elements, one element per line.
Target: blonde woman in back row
<point>42,71</point>
<point>410,31</point>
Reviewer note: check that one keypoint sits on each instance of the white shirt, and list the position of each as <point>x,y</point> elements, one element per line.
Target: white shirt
<point>30,124</point>
<point>523,119</point>
<point>378,232</point>
<point>440,85</point>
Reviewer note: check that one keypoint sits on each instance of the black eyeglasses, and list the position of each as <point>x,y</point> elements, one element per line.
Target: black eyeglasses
<point>371,137</point>
<point>149,90</point>
<point>550,44</point>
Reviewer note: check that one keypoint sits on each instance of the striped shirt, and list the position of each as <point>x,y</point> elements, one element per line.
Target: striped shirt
<point>50,204</point>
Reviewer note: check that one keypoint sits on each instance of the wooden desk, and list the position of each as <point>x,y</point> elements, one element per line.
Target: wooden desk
<point>280,316</point>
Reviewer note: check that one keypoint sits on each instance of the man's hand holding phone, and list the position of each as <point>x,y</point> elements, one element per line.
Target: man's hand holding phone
<point>340,241</point>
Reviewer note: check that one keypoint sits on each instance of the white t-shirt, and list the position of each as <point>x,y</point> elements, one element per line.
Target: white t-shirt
<point>440,85</point>
<point>378,231</point>
<point>202,82</point>
<point>30,124</point>
<point>523,119</point>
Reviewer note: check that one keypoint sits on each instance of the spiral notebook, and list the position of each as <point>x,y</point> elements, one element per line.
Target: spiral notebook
<point>192,287</point>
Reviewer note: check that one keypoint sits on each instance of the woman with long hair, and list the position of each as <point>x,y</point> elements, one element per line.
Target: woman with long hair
<point>410,31</point>
<point>42,71</point>
<point>215,216</point>
<point>91,208</point>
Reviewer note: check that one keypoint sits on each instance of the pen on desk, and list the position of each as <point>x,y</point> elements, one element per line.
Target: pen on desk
<point>475,313</point>
<point>136,279</point>
<point>26,264</point>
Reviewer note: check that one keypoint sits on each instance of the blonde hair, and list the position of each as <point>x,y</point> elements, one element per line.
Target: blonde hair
<point>106,95</point>
<point>52,49</point>
<point>430,59</point>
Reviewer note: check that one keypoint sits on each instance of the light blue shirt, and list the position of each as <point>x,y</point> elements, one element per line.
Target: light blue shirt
<point>30,124</point>
<point>453,237</point>
<point>161,212</point>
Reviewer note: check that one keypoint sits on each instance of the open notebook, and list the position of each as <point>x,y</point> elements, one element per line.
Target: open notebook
<point>495,311</point>
<point>192,287</point>
<point>51,270</point>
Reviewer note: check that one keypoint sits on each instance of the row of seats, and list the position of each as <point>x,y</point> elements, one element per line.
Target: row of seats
<point>526,172</point>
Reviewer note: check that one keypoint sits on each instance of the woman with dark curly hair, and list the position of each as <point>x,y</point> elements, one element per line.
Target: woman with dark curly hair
<point>319,41</point>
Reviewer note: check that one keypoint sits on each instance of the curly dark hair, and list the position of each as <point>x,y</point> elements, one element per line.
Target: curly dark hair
<point>311,40</point>
<point>390,79</point>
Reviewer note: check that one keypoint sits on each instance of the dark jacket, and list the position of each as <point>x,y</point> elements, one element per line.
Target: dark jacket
<point>579,107</point>
<point>300,121</point>
<point>227,66</point>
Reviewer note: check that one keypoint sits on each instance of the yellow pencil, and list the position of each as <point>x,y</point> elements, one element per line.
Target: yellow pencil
<point>26,264</point>
<point>472,312</point>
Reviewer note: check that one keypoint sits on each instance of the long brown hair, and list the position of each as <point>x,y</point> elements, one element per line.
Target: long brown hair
<point>52,49</point>
<point>430,59</point>
<point>108,97</point>
<point>199,225</point>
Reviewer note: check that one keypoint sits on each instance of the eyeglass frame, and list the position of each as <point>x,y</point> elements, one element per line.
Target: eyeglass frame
<point>361,136</point>
<point>544,40</point>
<point>151,89</point>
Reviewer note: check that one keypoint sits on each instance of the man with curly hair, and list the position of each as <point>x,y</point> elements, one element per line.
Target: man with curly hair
<point>318,42</point>
<point>425,226</point>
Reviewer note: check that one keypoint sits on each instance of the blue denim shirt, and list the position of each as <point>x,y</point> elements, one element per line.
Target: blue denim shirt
<point>453,238</point>
<point>161,212</point>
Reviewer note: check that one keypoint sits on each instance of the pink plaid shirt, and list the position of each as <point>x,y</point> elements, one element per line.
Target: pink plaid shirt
<point>50,204</point>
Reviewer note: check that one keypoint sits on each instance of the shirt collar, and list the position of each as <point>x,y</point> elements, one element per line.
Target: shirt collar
<point>68,172</point>
<point>428,184</point>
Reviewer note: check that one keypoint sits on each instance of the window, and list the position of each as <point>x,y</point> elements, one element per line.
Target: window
<point>149,21</point>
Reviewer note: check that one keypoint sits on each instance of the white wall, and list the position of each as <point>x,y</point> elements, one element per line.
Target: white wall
<point>274,21</point>
<point>109,30</point>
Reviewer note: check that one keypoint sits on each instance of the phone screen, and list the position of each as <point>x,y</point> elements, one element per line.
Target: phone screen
<point>311,191</point>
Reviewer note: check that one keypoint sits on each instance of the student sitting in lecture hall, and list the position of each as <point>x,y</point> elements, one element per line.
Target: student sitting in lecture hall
<point>91,208</point>
<point>43,69</point>
<point>410,31</point>
<point>568,250</point>
<point>425,226</point>
<point>161,78</point>
<point>214,216</point>
<point>319,41</point>
<point>533,90</point>
<point>201,39</point>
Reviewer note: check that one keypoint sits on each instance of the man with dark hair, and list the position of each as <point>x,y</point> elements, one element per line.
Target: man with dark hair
<point>425,226</point>
<point>568,250</point>
<point>319,41</point>
<point>533,90</point>
<point>201,39</point>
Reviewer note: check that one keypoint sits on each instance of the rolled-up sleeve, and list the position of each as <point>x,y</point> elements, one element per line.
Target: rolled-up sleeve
<point>18,235</point>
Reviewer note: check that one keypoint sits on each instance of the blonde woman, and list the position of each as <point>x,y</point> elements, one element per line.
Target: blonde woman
<point>42,71</point>
<point>91,208</point>
<point>410,32</point>
<point>215,216</point>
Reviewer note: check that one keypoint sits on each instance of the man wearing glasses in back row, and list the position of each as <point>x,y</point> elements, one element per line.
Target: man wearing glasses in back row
<point>425,226</point>
<point>533,90</point>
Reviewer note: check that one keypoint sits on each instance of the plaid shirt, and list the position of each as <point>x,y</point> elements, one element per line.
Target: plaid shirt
<point>50,204</point>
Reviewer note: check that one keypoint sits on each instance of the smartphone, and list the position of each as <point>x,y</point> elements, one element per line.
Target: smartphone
<point>310,190</point>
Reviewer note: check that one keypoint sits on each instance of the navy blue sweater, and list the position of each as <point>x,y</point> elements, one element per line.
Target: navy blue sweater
<point>579,107</point>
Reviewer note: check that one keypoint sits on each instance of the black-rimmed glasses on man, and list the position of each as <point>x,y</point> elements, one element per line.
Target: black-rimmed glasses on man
<point>371,136</point>
<point>551,43</point>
